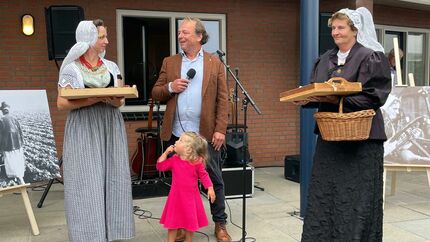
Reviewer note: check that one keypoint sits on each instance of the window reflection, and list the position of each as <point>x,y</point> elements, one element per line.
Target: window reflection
<point>415,57</point>
<point>414,44</point>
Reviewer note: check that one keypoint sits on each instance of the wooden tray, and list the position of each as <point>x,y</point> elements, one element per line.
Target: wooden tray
<point>77,93</point>
<point>334,86</point>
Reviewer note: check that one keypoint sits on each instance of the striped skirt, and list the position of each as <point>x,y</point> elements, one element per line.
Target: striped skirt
<point>97,185</point>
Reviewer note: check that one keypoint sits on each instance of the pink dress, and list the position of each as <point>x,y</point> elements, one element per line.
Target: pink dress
<point>184,207</point>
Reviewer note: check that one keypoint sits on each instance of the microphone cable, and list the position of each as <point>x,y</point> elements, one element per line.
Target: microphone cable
<point>190,75</point>
<point>146,214</point>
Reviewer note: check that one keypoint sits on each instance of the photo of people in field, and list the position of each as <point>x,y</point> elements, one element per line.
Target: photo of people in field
<point>27,146</point>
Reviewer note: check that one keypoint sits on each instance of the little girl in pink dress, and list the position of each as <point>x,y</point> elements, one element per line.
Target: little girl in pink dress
<point>184,207</point>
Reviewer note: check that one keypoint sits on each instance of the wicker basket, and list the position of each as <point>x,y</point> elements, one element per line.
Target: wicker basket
<point>344,126</point>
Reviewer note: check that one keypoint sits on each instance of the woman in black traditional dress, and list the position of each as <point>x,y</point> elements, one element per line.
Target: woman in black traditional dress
<point>345,193</point>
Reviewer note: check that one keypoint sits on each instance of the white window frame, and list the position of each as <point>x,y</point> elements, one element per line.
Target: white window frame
<point>383,28</point>
<point>172,16</point>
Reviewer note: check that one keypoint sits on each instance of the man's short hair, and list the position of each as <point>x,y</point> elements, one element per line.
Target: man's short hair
<point>200,29</point>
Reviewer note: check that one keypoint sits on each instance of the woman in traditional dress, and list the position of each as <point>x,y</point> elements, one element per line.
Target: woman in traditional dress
<point>345,193</point>
<point>97,183</point>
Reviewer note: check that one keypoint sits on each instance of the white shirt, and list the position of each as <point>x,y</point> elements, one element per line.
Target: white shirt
<point>189,103</point>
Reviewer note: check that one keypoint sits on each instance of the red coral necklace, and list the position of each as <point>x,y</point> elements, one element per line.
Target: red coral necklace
<point>88,65</point>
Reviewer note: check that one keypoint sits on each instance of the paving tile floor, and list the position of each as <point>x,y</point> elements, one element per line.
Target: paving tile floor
<point>269,213</point>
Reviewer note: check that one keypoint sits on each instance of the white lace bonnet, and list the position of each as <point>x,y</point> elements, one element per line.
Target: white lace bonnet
<point>86,36</point>
<point>363,21</point>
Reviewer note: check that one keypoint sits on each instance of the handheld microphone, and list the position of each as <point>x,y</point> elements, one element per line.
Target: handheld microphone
<point>191,73</point>
<point>220,53</point>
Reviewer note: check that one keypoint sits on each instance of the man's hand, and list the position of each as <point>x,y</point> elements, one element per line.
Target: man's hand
<point>211,194</point>
<point>218,140</point>
<point>179,85</point>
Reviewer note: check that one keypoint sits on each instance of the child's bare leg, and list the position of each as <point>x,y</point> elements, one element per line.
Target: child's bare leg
<point>188,236</point>
<point>171,235</point>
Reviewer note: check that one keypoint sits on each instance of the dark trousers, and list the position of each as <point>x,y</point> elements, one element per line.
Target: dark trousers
<point>214,168</point>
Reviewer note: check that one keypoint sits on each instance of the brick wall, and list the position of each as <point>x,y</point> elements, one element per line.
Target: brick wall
<point>262,40</point>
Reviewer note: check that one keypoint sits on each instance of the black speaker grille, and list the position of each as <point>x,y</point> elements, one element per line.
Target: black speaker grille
<point>61,23</point>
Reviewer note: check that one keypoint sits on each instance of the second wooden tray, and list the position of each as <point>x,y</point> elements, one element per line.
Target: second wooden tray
<point>334,86</point>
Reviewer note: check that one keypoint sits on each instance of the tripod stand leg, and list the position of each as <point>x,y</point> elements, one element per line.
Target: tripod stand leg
<point>259,188</point>
<point>42,199</point>
<point>45,193</point>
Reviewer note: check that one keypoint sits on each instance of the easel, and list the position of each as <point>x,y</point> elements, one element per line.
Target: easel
<point>23,190</point>
<point>403,167</point>
<point>45,192</point>
<point>392,167</point>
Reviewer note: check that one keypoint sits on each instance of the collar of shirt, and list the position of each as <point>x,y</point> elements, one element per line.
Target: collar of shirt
<point>341,57</point>
<point>200,53</point>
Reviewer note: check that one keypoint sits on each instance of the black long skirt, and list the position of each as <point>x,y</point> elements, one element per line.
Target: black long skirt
<point>345,193</point>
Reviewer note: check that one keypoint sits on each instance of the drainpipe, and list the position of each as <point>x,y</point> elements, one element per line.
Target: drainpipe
<point>309,12</point>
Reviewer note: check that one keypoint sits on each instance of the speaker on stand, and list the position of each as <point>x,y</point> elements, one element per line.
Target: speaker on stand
<point>237,146</point>
<point>61,23</point>
<point>237,151</point>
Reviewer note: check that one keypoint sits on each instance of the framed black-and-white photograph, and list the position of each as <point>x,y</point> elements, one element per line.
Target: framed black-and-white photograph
<point>407,125</point>
<point>27,146</point>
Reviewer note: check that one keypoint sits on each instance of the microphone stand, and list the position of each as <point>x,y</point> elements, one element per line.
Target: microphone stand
<point>247,99</point>
<point>236,99</point>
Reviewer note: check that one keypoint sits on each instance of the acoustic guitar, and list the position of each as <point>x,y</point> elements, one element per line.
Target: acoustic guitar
<point>146,145</point>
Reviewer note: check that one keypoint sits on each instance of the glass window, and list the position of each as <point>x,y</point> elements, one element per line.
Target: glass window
<point>415,45</point>
<point>415,57</point>
<point>389,45</point>
<point>388,40</point>
<point>144,38</point>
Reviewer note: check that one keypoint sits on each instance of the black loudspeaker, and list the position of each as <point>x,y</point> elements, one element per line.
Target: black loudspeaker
<point>61,23</point>
<point>233,181</point>
<point>292,168</point>
<point>237,149</point>
<point>151,188</point>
